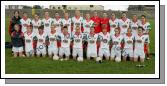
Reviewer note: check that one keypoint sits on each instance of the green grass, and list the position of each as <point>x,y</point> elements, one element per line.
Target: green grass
<point>46,65</point>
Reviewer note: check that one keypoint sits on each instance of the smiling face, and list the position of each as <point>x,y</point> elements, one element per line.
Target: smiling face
<point>52,28</point>
<point>113,16</point>
<point>46,14</point>
<point>16,27</point>
<point>57,15</point>
<point>123,15</point>
<point>104,15</point>
<point>95,14</point>
<point>143,19</point>
<point>87,16</point>
<point>92,30</point>
<point>116,31</point>
<point>134,17</point>
<point>66,15</point>
<point>16,13</point>
<point>29,29</point>
<point>140,31</point>
<point>36,17</point>
<point>129,31</point>
<point>25,15</point>
<point>77,13</point>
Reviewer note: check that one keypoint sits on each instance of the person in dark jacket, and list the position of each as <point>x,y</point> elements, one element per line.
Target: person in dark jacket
<point>14,20</point>
<point>17,41</point>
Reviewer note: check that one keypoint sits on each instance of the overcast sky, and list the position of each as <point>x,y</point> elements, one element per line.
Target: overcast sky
<point>112,7</point>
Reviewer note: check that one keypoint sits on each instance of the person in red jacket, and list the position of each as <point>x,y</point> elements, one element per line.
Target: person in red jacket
<point>97,22</point>
<point>105,22</point>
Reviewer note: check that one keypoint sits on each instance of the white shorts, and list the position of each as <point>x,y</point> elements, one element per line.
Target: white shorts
<point>115,53</point>
<point>52,50</point>
<point>104,51</point>
<point>29,49</point>
<point>148,38</point>
<point>41,50</point>
<point>127,52</point>
<point>77,51</point>
<point>91,52</point>
<point>64,51</point>
<point>17,49</point>
<point>139,53</point>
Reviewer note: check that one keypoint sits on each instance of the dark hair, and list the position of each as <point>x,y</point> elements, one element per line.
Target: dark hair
<point>16,11</point>
<point>36,14</point>
<point>41,27</point>
<point>143,16</point>
<point>140,28</point>
<point>65,27</point>
<point>24,12</point>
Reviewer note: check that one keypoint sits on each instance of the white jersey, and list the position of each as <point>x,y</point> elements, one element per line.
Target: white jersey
<point>128,40</point>
<point>77,22</point>
<point>134,26</point>
<point>58,24</point>
<point>24,24</point>
<point>67,23</point>
<point>41,41</point>
<point>139,42</point>
<point>124,25</point>
<point>52,40</point>
<point>104,40</point>
<point>116,41</point>
<point>47,24</point>
<point>29,41</point>
<point>65,40</point>
<point>146,27</point>
<point>77,40</point>
<point>113,25</point>
<point>92,39</point>
<point>87,25</point>
<point>35,25</point>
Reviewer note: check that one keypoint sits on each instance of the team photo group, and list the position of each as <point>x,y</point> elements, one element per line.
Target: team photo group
<point>63,38</point>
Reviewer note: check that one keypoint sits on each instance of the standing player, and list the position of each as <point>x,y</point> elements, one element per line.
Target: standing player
<point>140,40</point>
<point>67,22</point>
<point>36,22</point>
<point>92,46</point>
<point>124,24</point>
<point>52,46</point>
<point>113,24</point>
<point>29,36</point>
<point>97,22</point>
<point>77,20</point>
<point>57,21</point>
<point>65,43</point>
<point>104,37</point>
<point>105,22</point>
<point>17,41</point>
<point>87,24</point>
<point>41,44</point>
<point>128,45</point>
<point>77,44</point>
<point>116,46</point>
<point>146,26</point>
<point>47,22</point>
<point>134,24</point>
<point>25,21</point>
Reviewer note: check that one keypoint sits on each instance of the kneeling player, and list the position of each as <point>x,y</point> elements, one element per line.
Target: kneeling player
<point>65,43</point>
<point>52,46</point>
<point>29,36</point>
<point>104,37</point>
<point>41,37</point>
<point>116,46</point>
<point>77,44</point>
<point>128,45</point>
<point>92,47</point>
<point>140,40</point>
